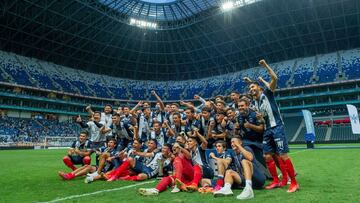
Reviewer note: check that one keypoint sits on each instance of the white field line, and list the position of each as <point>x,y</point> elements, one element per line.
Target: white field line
<point>303,150</point>
<point>97,192</point>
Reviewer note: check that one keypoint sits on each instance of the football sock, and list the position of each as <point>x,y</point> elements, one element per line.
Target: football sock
<point>272,169</point>
<point>197,175</point>
<point>164,183</point>
<point>67,161</point>
<point>290,170</point>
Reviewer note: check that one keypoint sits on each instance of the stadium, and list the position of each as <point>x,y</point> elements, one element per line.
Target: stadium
<point>257,77</point>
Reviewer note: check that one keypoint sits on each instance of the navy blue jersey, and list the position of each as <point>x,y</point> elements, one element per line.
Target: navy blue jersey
<point>237,158</point>
<point>191,125</point>
<point>85,146</point>
<point>113,152</point>
<point>268,107</point>
<point>198,157</point>
<point>204,124</point>
<point>224,155</point>
<point>247,133</point>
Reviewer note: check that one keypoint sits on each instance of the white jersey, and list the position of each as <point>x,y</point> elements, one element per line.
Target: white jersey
<point>106,120</point>
<point>154,163</point>
<point>198,156</point>
<point>160,138</point>
<point>94,132</point>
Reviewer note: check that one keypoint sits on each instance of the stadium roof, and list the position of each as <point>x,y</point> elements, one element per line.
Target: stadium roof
<point>95,35</point>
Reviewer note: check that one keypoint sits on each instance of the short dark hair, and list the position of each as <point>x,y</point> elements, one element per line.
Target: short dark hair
<point>84,133</point>
<point>112,139</point>
<point>109,105</point>
<point>176,114</point>
<point>254,82</point>
<point>116,114</point>
<point>234,91</point>
<point>168,145</point>
<point>221,112</point>
<point>154,140</point>
<point>245,101</point>
<point>192,110</point>
<point>220,96</point>
<point>222,142</point>
<point>222,102</point>
<point>207,109</point>
<point>230,108</point>
<point>175,104</point>
<point>98,112</point>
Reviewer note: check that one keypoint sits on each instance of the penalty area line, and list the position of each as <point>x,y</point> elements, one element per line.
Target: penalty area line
<point>97,192</point>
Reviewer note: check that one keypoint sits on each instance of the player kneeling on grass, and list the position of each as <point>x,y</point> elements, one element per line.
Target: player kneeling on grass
<point>106,162</point>
<point>80,152</point>
<point>223,159</point>
<point>247,173</point>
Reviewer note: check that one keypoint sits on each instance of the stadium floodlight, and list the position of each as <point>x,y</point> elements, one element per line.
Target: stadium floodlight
<point>227,6</point>
<point>143,23</point>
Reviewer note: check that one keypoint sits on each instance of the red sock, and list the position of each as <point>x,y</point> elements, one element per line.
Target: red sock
<point>220,182</point>
<point>69,176</point>
<point>290,169</point>
<point>164,183</point>
<point>87,160</point>
<point>68,163</point>
<point>282,167</point>
<point>197,175</point>
<point>178,168</point>
<point>132,178</point>
<point>120,170</point>
<point>272,169</point>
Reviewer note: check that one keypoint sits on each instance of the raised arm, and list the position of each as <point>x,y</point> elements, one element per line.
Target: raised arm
<point>274,78</point>
<point>158,99</point>
<point>204,142</point>
<point>89,110</point>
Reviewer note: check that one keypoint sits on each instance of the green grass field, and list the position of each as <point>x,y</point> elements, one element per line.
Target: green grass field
<point>326,175</point>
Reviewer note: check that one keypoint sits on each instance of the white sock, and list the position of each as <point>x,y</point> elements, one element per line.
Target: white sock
<point>155,189</point>
<point>227,186</point>
<point>248,183</point>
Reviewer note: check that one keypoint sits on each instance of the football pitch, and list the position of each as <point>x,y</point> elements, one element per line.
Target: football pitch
<point>325,175</point>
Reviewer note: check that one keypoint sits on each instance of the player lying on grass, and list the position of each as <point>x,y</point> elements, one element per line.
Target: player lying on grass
<point>107,157</point>
<point>222,159</point>
<point>246,173</point>
<point>80,152</point>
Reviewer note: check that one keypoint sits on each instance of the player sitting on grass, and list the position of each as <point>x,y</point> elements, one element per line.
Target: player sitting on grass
<point>247,173</point>
<point>183,171</point>
<point>107,155</point>
<point>80,152</point>
<point>145,168</point>
<point>123,155</point>
<point>200,166</point>
<point>222,159</point>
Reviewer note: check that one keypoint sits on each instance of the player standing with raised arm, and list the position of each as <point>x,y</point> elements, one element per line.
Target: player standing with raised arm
<point>274,135</point>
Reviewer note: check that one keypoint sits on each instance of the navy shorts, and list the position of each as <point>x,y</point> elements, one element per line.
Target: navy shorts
<point>207,172</point>
<point>258,181</point>
<point>275,140</point>
<point>141,168</point>
<point>77,159</point>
